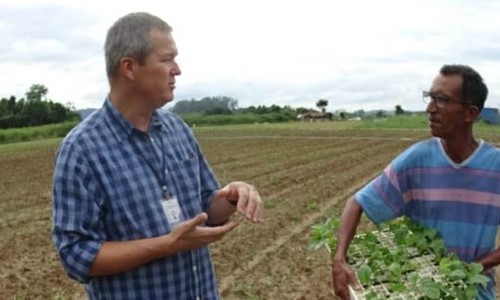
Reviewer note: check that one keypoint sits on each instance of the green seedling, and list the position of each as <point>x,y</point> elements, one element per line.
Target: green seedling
<point>389,257</point>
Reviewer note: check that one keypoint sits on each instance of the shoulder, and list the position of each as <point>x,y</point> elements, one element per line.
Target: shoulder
<point>421,154</point>
<point>489,155</point>
<point>490,148</point>
<point>83,135</point>
<point>174,122</point>
<point>420,149</point>
<point>171,117</point>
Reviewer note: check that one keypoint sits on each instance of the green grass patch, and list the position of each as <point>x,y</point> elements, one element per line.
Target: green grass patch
<point>416,122</point>
<point>395,122</point>
<point>249,124</point>
<point>15,149</point>
<point>16,135</point>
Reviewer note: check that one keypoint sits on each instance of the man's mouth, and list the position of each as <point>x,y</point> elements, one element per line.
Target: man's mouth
<point>433,122</point>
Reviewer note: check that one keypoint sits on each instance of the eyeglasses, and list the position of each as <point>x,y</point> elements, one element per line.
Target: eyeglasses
<point>439,100</point>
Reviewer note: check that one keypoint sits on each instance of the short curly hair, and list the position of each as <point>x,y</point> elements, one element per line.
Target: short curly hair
<point>474,90</point>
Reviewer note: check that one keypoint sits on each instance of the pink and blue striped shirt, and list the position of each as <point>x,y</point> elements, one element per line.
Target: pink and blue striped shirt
<point>462,201</point>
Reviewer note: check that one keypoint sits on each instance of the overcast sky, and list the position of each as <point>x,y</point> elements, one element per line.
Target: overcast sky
<point>357,54</point>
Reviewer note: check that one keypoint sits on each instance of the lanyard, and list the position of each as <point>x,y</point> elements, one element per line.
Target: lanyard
<point>162,176</point>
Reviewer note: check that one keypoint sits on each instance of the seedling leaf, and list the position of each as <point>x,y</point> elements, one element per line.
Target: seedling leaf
<point>364,274</point>
<point>430,288</point>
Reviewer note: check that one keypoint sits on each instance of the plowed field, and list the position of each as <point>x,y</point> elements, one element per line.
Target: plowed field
<point>304,174</point>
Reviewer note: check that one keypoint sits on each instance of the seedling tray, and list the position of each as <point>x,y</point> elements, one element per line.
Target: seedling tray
<point>427,268</point>
<point>425,265</point>
<point>403,260</point>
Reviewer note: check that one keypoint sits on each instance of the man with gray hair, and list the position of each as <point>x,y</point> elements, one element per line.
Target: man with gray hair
<point>135,203</point>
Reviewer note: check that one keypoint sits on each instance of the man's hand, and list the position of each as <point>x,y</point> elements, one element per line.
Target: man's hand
<point>117,257</point>
<point>343,276</point>
<point>190,234</point>
<point>245,196</point>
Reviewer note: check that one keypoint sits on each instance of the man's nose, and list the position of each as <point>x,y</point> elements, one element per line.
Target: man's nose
<point>431,106</point>
<point>176,70</point>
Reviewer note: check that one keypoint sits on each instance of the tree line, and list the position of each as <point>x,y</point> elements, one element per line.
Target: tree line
<point>33,110</point>
<point>223,105</point>
<point>227,106</point>
<point>207,105</point>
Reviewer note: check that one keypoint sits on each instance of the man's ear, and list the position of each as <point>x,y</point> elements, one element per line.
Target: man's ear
<point>471,113</point>
<point>128,66</point>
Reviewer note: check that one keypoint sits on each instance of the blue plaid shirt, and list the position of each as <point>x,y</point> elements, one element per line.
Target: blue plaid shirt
<point>107,187</point>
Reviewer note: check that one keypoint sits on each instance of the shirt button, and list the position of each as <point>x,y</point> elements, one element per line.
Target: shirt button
<point>194,268</point>
<point>198,298</point>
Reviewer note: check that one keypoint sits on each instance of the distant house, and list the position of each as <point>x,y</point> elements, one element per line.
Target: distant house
<point>316,116</point>
<point>490,115</point>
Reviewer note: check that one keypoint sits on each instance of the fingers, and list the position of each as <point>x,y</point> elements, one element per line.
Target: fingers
<point>249,202</point>
<point>189,235</point>
<point>254,206</point>
<point>243,191</point>
<point>189,225</point>
<point>353,281</point>
<point>212,234</point>
<point>225,192</point>
<point>341,278</point>
<point>340,287</point>
<point>198,219</point>
<point>226,227</point>
<point>342,292</point>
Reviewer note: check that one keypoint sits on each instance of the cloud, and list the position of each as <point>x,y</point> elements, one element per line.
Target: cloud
<point>358,54</point>
<point>38,33</point>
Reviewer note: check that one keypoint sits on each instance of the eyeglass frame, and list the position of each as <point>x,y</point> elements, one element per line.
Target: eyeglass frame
<point>440,100</point>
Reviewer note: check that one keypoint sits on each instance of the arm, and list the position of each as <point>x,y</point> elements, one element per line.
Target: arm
<point>116,257</point>
<point>109,260</point>
<point>79,237</point>
<point>342,274</point>
<point>75,211</point>
<point>491,260</point>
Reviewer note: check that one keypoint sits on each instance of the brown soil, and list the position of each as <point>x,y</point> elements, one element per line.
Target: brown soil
<point>303,176</point>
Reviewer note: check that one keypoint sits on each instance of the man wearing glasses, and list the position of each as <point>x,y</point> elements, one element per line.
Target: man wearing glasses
<point>449,182</point>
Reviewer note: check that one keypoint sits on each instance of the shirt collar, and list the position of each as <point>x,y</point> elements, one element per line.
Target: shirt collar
<point>466,161</point>
<point>156,122</point>
<point>121,127</point>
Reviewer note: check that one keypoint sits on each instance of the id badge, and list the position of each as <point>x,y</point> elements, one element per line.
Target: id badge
<point>172,210</point>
